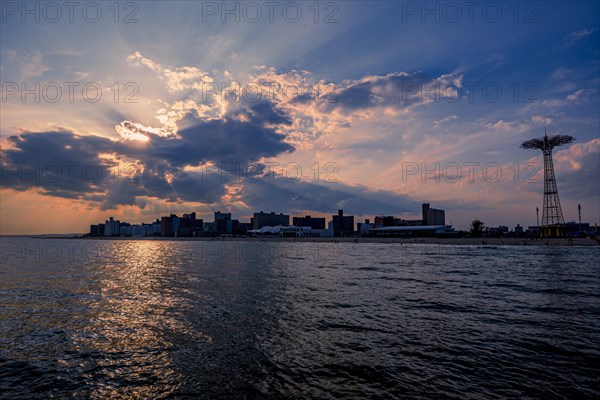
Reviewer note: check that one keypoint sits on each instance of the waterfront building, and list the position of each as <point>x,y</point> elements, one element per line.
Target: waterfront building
<point>414,231</point>
<point>96,230</point>
<point>432,216</point>
<point>189,225</point>
<point>518,230</point>
<point>112,227</point>
<point>315,223</point>
<point>363,227</point>
<point>262,219</point>
<point>223,223</point>
<point>343,225</point>
<point>291,231</point>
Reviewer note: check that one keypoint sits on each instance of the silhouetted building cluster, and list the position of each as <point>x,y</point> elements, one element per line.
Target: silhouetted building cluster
<point>432,223</point>
<point>186,226</point>
<point>112,227</point>
<point>278,224</point>
<point>572,229</point>
<point>173,226</point>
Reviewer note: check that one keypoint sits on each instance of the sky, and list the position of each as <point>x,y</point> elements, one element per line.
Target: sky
<point>145,108</point>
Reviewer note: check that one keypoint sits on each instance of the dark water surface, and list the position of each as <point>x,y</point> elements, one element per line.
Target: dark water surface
<point>171,319</point>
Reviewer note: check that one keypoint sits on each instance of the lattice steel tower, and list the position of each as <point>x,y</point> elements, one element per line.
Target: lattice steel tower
<point>553,223</point>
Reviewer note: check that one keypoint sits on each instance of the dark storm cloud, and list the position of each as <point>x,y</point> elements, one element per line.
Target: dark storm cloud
<point>64,164</point>
<point>134,170</point>
<point>268,114</point>
<point>225,140</point>
<point>59,162</point>
<point>399,90</point>
<point>304,98</point>
<point>326,197</point>
<point>159,174</point>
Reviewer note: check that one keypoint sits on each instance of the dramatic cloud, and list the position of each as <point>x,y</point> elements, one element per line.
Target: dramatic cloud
<point>397,90</point>
<point>199,120</point>
<point>578,169</point>
<point>325,197</point>
<point>88,167</point>
<point>193,164</point>
<point>177,79</point>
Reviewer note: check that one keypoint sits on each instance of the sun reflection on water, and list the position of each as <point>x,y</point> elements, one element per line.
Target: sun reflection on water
<point>138,321</point>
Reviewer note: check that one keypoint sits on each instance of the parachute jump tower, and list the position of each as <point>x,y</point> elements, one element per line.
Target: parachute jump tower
<point>553,223</point>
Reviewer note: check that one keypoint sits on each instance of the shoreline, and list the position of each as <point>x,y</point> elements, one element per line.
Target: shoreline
<point>587,242</point>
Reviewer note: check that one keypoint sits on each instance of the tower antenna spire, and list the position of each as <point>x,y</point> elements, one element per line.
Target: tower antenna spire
<point>553,222</point>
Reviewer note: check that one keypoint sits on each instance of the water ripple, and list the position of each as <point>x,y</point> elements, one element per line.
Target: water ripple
<point>168,319</point>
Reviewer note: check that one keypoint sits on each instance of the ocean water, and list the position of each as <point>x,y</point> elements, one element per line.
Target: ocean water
<point>175,319</point>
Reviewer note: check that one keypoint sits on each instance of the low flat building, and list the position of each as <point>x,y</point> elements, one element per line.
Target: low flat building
<point>315,223</point>
<point>413,231</point>
<point>291,231</point>
<point>363,227</point>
